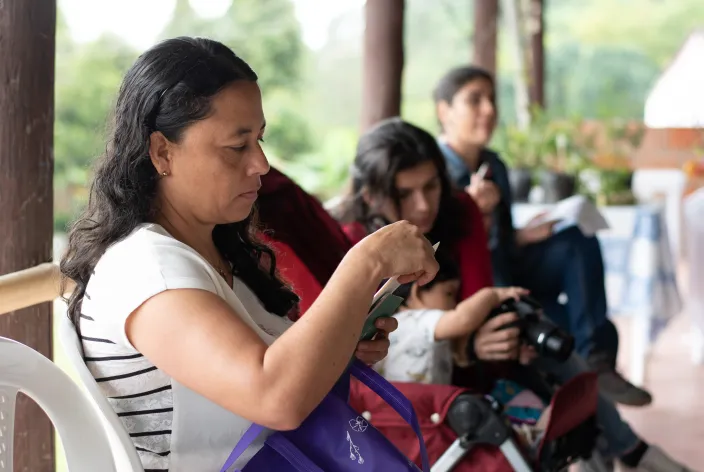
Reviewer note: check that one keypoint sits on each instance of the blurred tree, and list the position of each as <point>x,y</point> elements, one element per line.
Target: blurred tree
<point>599,64</point>
<point>87,79</point>
<point>264,32</point>
<point>599,82</point>
<point>654,28</point>
<point>267,35</point>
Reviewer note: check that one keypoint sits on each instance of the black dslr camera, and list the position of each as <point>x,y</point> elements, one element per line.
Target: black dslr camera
<point>536,329</point>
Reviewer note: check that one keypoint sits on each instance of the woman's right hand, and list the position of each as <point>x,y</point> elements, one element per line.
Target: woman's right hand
<point>400,249</point>
<point>492,343</point>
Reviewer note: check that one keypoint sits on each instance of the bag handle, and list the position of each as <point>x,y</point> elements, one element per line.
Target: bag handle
<point>245,441</point>
<point>281,445</point>
<point>395,399</point>
<point>378,385</point>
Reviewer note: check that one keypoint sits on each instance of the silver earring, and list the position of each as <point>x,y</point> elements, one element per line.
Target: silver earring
<point>164,173</point>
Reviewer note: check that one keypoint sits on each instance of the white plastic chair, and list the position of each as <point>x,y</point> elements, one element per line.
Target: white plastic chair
<point>22,369</point>
<point>123,449</point>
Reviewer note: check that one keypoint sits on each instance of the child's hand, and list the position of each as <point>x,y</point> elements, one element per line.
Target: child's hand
<point>503,293</point>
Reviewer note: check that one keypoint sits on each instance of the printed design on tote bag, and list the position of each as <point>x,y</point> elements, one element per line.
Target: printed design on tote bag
<point>359,424</point>
<point>354,451</point>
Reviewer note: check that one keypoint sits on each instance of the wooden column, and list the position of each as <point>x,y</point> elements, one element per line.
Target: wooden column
<point>383,60</point>
<point>27,50</point>
<point>486,15</point>
<point>536,28</point>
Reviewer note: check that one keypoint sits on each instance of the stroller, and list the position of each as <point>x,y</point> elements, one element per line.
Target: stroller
<point>467,431</point>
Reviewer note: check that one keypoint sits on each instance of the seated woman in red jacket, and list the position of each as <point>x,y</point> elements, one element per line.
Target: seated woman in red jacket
<point>399,173</point>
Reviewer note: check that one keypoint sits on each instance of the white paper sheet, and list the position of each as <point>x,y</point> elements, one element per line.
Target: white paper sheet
<point>576,210</point>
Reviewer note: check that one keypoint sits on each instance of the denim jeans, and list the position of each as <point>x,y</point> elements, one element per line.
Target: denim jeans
<point>570,263</point>
<point>617,436</point>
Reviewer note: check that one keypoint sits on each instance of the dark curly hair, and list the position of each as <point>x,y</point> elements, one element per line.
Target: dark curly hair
<point>168,88</point>
<point>391,146</point>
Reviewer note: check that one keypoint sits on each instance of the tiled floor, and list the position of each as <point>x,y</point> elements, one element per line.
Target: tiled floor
<point>675,420</point>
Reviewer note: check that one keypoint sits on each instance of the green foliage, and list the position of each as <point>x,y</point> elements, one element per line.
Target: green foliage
<point>267,35</point>
<point>87,79</point>
<point>559,145</point>
<point>603,56</point>
<point>655,28</point>
<point>264,32</point>
<point>325,172</point>
<point>598,82</point>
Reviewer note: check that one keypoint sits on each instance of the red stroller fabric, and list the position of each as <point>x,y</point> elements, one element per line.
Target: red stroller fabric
<point>431,403</point>
<point>572,405</point>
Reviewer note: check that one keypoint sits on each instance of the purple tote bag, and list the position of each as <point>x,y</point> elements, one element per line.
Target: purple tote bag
<point>334,437</point>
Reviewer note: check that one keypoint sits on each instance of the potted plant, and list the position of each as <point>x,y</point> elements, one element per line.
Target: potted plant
<point>613,164</point>
<point>522,149</point>
<point>615,187</point>
<point>513,146</point>
<point>565,155</point>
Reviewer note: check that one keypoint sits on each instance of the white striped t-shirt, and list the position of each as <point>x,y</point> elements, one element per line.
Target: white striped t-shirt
<point>131,271</point>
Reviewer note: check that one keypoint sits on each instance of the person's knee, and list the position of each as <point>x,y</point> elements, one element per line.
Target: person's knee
<point>579,243</point>
<point>571,235</point>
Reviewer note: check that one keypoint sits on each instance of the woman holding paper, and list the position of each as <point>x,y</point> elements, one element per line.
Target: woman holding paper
<point>548,264</point>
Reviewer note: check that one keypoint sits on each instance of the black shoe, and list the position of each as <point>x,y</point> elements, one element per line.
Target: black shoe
<point>616,388</point>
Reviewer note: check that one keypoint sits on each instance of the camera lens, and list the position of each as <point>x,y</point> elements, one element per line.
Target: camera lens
<point>558,346</point>
<point>549,340</point>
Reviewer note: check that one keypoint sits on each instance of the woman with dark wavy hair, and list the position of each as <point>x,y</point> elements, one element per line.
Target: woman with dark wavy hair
<point>399,174</point>
<point>181,313</point>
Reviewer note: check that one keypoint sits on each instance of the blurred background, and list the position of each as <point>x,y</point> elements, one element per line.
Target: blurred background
<point>601,59</point>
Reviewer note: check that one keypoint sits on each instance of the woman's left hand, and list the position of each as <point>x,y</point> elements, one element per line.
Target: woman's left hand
<point>371,352</point>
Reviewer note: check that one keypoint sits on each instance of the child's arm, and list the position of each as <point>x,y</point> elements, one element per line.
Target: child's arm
<point>471,313</point>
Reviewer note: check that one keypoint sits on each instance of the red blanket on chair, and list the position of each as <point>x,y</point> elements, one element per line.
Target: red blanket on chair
<point>310,244</point>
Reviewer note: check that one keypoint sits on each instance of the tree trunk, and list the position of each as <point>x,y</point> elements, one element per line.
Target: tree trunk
<point>511,12</point>
<point>486,15</point>
<point>383,60</point>
<point>27,50</point>
<point>536,26</point>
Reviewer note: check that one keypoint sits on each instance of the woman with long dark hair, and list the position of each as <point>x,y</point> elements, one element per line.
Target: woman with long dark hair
<point>180,309</point>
